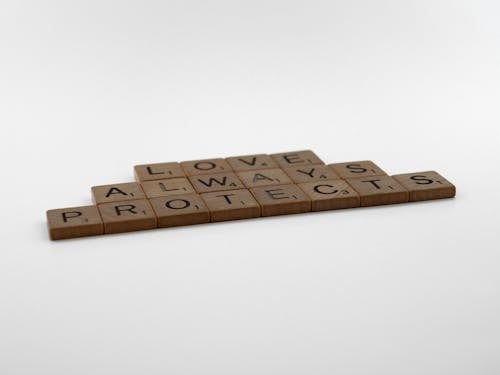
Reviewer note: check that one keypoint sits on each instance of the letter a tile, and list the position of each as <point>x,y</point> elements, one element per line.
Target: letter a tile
<point>426,185</point>
<point>264,177</point>
<point>117,192</point>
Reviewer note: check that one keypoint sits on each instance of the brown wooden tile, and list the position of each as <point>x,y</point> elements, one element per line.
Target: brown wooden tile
<point>74,222</point>
<point>264,177</point>
<point>231,205</point>
<point>330,195</point>
<point>165,188</point>
<point>295,158</point>
<point>183,209</point>
<point>310,173</point>
<point>127,216</point>
<point>378,190</point>
<point>206,166</point>
<point>157,171</point>
<point>251,162</point>
<point>426,185</point>
<point>216,182</point>
<point>117,192</point>
<point>281,200</point>
<point>354,169</point>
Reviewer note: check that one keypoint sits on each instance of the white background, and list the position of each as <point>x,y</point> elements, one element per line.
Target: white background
<point>90,88</point>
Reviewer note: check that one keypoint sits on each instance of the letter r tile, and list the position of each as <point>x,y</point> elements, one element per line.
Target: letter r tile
<point>127,216</point>
<point>117,192</point>
<point>426,185</point>
<point>281,200</point>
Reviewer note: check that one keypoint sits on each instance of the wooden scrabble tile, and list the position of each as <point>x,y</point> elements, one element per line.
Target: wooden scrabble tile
<point>264,177</point>
<point>354,169</point>
<point>294,158</point>
<point>231,205</point>
<point>74,222</point>
<point>426,185</point>
<point>330,195</point>
<point>127,216</point>
<point>310,173</point>
<point>251,162</point>
<point>165,188</point>
<point>216,182</point>
<point>281,200</point>
<point>117,192</point>
<point>157,171</point>
<point>379,190</point>
<point>207,166</point>
<point>182,209</point>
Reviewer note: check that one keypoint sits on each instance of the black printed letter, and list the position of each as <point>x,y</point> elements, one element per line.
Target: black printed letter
<point>185,203</point>
<point>421,180</point>
<point>124,207</point>
<point>318,189</point>
<point>65,215</point>
<point>115,190</point>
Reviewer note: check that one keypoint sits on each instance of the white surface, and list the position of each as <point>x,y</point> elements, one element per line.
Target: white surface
<point>88,89</point>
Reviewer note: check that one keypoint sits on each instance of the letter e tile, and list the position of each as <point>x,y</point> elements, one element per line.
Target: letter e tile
<point>281,200</point>
<point>294,158</point>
